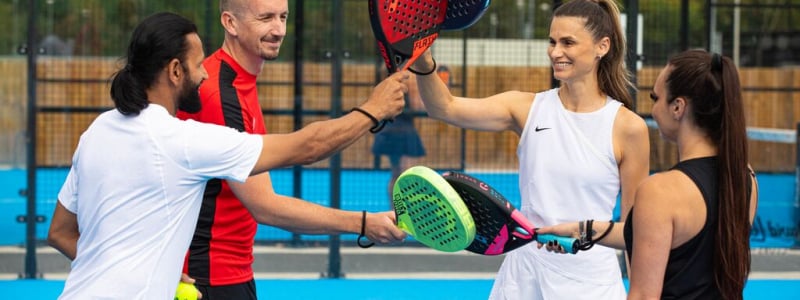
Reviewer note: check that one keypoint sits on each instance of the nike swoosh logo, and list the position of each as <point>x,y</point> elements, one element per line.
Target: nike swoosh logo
<point>542,128</point>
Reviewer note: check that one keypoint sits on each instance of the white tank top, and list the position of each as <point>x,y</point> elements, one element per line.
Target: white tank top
<point>568,172</point>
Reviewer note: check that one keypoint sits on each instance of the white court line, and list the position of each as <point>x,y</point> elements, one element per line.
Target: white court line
<point>376,250</point>
<point>317,275</point>
<point>407,275</point>
<point>388,275</point>
<point>774,275</point>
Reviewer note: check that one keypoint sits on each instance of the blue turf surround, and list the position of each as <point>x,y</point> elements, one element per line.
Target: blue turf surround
<point>378,289</point>
<point>776,222</point>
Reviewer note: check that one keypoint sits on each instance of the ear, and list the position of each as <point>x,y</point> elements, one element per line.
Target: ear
<point>678,108</point>
<point>603,46</point>
<point>175,71</point>
<point>228,21</point>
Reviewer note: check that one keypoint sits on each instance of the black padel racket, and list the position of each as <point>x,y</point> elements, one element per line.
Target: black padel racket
<point>404,29</point>
<point>430,210</point>
<point>461,14</point>
<point>499,226</point>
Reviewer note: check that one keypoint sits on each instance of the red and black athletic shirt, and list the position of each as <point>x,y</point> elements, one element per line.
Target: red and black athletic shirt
<point>221,252</point>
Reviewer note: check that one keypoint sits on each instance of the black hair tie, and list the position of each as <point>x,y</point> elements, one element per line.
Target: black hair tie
<point>362,236</point>
<point>424,73</point>
<point>716,62</point>
<point>378,125</point>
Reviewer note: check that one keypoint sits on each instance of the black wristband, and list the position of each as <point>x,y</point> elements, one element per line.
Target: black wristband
<point>378,124</point>
<point>586,242</point>
<point>589,231</point>
<point>363,228</point>
<point>426,73</point>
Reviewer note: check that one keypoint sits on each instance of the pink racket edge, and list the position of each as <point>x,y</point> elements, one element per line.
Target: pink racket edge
<point>491,208</point>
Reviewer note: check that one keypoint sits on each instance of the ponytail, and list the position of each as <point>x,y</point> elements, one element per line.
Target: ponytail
<point>732,257</point>
<point>129,96</point>
<point>711,83</point>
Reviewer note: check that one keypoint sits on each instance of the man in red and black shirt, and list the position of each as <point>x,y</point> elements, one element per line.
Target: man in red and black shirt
<point>221,253</point>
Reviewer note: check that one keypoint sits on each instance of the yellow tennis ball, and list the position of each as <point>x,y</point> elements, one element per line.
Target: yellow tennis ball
<point>186,291</point>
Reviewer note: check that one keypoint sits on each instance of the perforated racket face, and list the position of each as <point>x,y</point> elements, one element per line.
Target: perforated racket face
<point>405,29</point>
<point>462,14</point>
<point>429,209</point>
<point>492,214</point>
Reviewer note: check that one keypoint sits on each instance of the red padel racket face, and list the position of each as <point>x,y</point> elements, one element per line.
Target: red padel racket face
<point>405,29</point>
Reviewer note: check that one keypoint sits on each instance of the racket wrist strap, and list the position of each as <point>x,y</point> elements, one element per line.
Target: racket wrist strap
<point>363,229</point>
<point>606,232</point>
<point>424,73</point>
<point>377,125</point>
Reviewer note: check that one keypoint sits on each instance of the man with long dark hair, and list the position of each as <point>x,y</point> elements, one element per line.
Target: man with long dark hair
<point>129,205</point>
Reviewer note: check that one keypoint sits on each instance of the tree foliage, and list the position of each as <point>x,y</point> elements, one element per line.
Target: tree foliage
<point>102,27</point>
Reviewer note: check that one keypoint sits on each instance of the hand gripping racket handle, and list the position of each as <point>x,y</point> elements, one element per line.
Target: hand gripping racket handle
<point>570,244</point>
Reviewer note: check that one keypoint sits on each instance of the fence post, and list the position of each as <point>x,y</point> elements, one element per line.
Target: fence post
<point>334,253</point>
<point>632,57</point>
<point>797,187</point>
<point>297,113</point>
<point>30,217</point>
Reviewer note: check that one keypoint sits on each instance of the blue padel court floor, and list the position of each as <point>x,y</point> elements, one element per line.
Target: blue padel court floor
<point>365,189</point>
<point>377,289</point>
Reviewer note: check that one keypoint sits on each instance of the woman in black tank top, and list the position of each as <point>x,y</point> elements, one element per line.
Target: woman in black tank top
<point>687,235</point>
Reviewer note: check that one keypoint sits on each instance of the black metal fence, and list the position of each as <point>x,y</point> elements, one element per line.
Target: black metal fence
<point>58,57</point>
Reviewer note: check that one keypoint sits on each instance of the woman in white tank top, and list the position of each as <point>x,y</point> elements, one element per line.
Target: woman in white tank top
<point>579,149</point>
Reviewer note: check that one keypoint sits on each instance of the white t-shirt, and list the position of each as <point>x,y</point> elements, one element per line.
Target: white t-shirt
<point>136,185</point>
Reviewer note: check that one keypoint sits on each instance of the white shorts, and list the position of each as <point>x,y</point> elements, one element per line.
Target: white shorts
<point>527,278</point>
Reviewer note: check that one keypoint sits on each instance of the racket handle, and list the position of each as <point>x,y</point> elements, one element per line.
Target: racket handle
<point>570,244</point>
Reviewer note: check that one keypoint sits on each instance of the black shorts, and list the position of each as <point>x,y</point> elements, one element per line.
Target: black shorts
<point>241,291</point>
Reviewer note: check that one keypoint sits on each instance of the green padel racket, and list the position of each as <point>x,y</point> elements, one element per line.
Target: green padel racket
<point>429,209</point>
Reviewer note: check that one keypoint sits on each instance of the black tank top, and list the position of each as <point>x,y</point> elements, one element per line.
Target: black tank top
<point>690,270</point>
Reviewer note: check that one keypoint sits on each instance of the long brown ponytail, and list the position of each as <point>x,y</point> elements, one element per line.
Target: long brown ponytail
<point>711,82</point>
